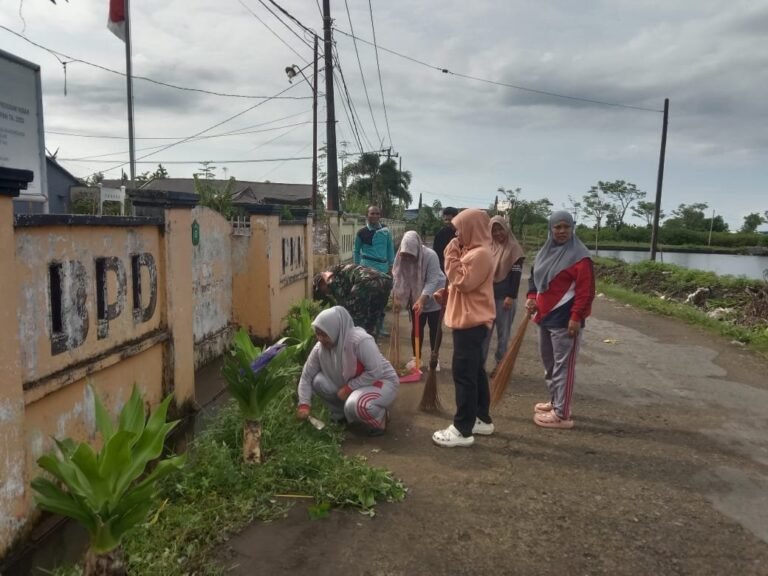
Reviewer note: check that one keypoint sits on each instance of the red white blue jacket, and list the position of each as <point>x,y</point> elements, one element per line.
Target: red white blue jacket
<point>568,297</point>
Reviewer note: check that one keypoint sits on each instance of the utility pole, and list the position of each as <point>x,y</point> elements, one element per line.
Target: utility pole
<point>314,132</point>
<point>711,225</point>
<point>129,80</point>
<point>659,181</point>
<point>330,125</point>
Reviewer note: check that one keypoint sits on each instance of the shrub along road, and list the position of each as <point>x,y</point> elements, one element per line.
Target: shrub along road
<point>666,472</point>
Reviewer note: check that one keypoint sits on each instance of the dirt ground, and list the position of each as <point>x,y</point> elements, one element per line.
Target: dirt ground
<point>666,472</point>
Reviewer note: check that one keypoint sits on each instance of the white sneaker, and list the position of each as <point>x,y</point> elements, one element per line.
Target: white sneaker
<point>451,437</point>
<point>437,368</point>
<point>411,364</point>
<point>483,428</point>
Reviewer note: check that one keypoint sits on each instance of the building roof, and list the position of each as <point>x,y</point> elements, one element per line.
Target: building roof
<point>243,192</point>
<point>52,164</point>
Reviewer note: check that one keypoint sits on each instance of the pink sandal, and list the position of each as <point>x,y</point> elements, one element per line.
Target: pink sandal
<point>551,420</point>
<point>543,407</point>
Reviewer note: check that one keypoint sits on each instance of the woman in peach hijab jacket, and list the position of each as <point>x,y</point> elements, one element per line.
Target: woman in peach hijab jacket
<point>470,312</point>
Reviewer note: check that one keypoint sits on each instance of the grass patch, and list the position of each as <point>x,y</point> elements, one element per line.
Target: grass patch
<point>216,494</point>
<point>756,338</point>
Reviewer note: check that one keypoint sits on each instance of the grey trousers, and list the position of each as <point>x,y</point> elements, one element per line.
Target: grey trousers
<point>558,353</point>
<point>503,326</point>
<point>367,405</point>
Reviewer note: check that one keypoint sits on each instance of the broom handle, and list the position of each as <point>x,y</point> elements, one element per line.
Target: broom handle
<point>418,348</point>
<point>438,336</point>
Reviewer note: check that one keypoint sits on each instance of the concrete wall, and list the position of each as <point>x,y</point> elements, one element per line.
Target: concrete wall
<point>105,301</point>
<point>272,270</point>
<point>212,285</point>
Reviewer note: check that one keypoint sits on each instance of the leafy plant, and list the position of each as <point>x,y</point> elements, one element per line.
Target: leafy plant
<point>254,377</point>
<point>299,331</point>
<point>104,490</point>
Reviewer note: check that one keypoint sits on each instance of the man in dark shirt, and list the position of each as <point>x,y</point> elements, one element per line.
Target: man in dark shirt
<point>445,234</point>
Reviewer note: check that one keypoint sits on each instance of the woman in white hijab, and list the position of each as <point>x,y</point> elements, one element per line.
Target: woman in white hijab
<point>416,277</point>
<point>348,372</point>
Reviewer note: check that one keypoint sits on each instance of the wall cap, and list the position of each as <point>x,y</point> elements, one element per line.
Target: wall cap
<point>162,198</point>
<point>32,220</point>
<point>13,180</point>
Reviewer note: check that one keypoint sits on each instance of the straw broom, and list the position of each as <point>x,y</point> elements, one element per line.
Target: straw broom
<point>507,364</point>
<point>430,401</point>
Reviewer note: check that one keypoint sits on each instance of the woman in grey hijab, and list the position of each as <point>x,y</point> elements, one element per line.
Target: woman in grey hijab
<point>348,372</point>
<point>560,294</point>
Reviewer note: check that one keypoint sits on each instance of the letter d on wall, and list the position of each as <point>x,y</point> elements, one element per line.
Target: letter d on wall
<point>146,261</point>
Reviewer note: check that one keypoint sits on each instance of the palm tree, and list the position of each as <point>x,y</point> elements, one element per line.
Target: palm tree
<point>377,182</point>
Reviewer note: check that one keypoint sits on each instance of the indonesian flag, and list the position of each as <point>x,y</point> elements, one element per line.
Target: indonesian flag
<point>116,21</point>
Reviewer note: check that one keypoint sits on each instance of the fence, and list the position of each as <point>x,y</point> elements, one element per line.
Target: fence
<point>116,301</point>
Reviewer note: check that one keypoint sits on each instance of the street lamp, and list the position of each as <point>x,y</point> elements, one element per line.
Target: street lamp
<point>293,71</point>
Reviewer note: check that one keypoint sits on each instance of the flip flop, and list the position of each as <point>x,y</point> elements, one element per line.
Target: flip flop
<point>551,420</point>
<point>543,407</point>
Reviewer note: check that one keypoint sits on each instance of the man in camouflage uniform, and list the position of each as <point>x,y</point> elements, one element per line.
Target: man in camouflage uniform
<point>364,292</point>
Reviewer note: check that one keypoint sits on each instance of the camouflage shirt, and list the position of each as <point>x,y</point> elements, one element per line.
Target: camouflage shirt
<point>364,292</point>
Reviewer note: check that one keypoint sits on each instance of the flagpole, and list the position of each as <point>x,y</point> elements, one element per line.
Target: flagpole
<point>129,81</point>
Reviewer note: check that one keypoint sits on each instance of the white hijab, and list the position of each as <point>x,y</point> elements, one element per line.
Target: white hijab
<point>409,274</point>
<point>339,361</point>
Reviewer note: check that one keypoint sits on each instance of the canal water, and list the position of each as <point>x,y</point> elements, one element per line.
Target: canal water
<point>754,267</point>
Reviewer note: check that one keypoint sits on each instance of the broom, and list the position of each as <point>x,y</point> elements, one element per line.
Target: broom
<point>415,374</point>
<point>394,340</point>
<point>430,401</point>
<point>504,370</point>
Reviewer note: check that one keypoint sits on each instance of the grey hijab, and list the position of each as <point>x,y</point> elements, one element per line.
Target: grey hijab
<point>553,258</point>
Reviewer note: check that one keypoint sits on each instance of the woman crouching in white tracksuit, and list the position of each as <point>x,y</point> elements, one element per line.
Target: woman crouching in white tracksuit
<point>348,372</point>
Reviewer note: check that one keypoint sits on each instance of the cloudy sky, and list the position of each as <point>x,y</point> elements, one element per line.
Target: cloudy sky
<point>461,138</point>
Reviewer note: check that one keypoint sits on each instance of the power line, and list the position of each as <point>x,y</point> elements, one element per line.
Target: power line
<point>360,66</point>
<point>169,162</point>
<point>504,84</point>
<point>378,68</point>
<point>58,55</point>
<point>197,140</point>
<point>275,34</point>
<point>284,11</point>
<point>232,133</point>
<point>352,109</point>
<point>291,30</point>
<point>230,118</point>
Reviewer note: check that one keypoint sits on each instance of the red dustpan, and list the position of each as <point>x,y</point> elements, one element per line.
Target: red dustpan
<point>415,375</point>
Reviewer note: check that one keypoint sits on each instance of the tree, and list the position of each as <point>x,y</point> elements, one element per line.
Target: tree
<point>645,211</point>
<point>521,212</point>
<point>621,195</point>
<point>214,197</point>
<point>574,207</point>
<point>207,171</point>
<point>692,217</point>
<point>374,182</point>
<point>752,221</point>
<point>596,207</point>
<point>94,179</point>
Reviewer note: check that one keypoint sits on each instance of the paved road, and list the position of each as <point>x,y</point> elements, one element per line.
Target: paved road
<point>666,472</point>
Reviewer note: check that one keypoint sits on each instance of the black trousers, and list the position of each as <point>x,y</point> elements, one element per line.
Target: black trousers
<point>473,397</point>
<point>434,319</point>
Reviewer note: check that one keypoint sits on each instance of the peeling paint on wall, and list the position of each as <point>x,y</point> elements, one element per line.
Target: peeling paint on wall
<point>211,284</point>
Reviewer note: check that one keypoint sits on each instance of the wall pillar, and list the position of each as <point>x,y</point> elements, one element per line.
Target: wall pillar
<point>13,494</point>
<point>179,313</point>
